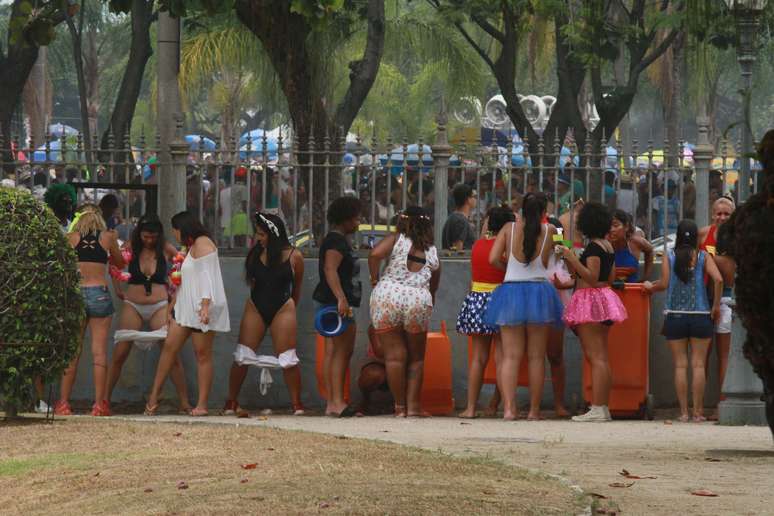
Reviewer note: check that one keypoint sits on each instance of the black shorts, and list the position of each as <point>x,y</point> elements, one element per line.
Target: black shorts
<point>688,326</point>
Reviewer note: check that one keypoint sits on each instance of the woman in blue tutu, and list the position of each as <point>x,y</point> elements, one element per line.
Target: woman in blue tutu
<point>526,305</point>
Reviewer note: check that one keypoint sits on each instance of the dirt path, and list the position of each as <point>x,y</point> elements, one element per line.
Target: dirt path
<point>736,463</point>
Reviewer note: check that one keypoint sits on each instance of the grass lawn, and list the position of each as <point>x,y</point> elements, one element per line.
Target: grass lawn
<point>87,466</point>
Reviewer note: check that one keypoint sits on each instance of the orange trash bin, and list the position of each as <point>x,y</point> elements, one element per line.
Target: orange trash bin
<point>436,397</point>
<point>490,371</point>
<point>319,355</point>
<point>628,348</point>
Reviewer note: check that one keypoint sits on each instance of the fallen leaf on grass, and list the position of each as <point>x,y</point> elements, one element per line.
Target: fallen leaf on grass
<point>263,418</point>
<point>96,474</point>
<point>603,510</point>
<point>464,423</point>
<point>245,415</point>
<point>250,466</point>
<point>598,496</point>
<point>269,449</point>
<point>148,490</point>
<point>624,473</point>
<point>182,485</point>
<point>342,437</point>
<point>324,505</point>
<point>713,459</point>
<point>703,492</point>
<point>243,481</point>
<point>177,434</point>
<point>621,484</point>
<point>488,492</point>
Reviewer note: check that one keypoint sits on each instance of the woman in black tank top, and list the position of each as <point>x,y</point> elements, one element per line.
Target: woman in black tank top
<point>274,271</point>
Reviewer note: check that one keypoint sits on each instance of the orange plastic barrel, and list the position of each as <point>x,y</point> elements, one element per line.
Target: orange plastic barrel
<point>436,394</point>
<point>490,371</point>
<point>628,345</point>
<point>319,356</point>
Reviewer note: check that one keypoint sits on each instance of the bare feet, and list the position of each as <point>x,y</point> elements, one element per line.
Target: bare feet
<point>419,413</point>
<point>684,418</point>
<point>334,409</point>
<point>510,416</point>
<point>400,411</point>
<point>561,412</point>
<point>534,416</point>
<point>468,414</point>
<point>490,411</point>
<point>199,412</point>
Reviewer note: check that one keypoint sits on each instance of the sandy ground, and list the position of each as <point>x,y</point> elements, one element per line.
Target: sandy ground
<point>736,463</point>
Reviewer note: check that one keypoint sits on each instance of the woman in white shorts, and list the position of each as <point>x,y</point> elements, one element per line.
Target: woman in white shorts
<point>402,302</point>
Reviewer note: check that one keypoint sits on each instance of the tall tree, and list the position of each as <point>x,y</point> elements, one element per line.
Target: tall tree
<point>28,30</point>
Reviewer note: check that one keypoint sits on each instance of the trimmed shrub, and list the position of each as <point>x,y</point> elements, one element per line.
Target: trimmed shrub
<point>41,309</point>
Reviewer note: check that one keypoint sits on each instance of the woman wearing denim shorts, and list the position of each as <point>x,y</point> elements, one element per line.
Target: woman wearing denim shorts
<point>95,245</point>
<point>689,316</point>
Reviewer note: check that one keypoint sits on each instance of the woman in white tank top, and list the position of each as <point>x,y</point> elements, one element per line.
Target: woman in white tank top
<point>525,305</point>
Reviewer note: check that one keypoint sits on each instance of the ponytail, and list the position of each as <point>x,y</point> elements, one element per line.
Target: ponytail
<point>532,210</point>
<point>685,244</point>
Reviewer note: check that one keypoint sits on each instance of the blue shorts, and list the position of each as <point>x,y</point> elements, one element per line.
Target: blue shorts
<point>688,326</point>
<point>98,301</point>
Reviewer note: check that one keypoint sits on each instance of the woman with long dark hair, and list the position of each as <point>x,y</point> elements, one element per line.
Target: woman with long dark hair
<point>402,302</point>
<point>628,248</point>
<point>146,298</point>
<point>198,310</point>
<point>484,279</point>
<point>274,270</point>
<point>689,314</point>
<point>526,305</point>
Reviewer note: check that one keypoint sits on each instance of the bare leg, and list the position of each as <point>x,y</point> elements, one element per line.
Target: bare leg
<point>251,332</point>
<point>176,374</point>
<point>593,338</point>
<point>341,354</point>
<point>417,343</point>
<point>395,359</point>
<point>680,356</point>
<point>68,377</point>
<point>481,345</point>
<point>176,337</point>
<point>100,327</point>
<point>202,345</point>
<point>283,335</point>
<point>698,367</point>
<point>129,320</point>
<point>494,401</point>
<point>723,346</point>
<point>555,353</point>
<point>537,337</point>
<point>513,344</point>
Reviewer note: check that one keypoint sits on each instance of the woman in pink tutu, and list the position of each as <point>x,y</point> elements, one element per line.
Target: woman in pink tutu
<point>594,306</point>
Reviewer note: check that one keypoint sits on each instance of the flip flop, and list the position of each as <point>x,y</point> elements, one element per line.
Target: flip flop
<point>150,410</point>
<point>474,416</point>
<point>349,411</point>
<point>198,413</point>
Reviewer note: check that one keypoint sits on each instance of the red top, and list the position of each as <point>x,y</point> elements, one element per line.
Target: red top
<point>481,269</point>
<point>710,241</point>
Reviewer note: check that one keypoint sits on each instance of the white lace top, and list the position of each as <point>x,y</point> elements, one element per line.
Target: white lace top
<point>201,279</point>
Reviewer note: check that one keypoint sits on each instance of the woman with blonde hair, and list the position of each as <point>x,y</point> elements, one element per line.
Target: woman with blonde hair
<point>94,245</point>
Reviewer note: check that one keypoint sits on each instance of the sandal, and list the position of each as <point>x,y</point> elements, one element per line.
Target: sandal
<point>62,408</point>
<point>197,412</point>
<point>150,410</point>
<point>699,419</point>
<point>298,410</point>
<point>230,408</point>
<point>400,410</point>
<point>684,419</point>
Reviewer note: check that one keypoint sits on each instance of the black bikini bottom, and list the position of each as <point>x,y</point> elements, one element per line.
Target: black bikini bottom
<point>268,304</point>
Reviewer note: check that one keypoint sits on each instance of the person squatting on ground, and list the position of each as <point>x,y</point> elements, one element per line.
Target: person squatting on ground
<point>372,379</point>
<point>94,245</point>
<point>689,314</point>
<point>484,279</point>
<point>274,270</point>
<point>525,305</point>
<point>339,272</point>
<point>709,238</point>
<point>198,310</point>
<point>628,248</point>
<point>402,302</point>
<point>594,306</point>
<point>146,299</point>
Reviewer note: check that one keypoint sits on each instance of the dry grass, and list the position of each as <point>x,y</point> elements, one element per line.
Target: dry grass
<point>107,467</point>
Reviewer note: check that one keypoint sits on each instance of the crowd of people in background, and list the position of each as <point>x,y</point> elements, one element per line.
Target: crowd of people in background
<point>537,268</point>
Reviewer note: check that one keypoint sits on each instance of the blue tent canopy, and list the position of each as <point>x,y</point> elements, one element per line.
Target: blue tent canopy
<point>60,129</point>
<point>55,152</point>
<point>197,142</point>
<point>398,161</point>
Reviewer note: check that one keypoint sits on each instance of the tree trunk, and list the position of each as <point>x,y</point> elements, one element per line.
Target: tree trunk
<point>37,99</point>
<point>76,33</point>
<point>284,36</point>
<point>91,74</point>
<point>131,83</point>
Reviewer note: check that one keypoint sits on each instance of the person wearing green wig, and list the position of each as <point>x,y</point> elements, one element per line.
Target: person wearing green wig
<point>61,199</point>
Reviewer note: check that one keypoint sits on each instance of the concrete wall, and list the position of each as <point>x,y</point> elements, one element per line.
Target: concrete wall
<point>140,367</point>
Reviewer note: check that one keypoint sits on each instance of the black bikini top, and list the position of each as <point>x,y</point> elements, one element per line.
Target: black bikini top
<point>416,259</point>
<point>137,277</point>
<point>90,250</point>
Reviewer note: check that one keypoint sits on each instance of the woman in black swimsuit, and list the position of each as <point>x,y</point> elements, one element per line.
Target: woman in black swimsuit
<point>274,271</point>
<point>146,298</point>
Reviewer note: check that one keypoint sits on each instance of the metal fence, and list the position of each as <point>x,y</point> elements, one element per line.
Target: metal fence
<point>228,181</point>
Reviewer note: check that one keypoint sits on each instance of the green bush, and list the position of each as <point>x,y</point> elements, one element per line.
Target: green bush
<point>41,309</point>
